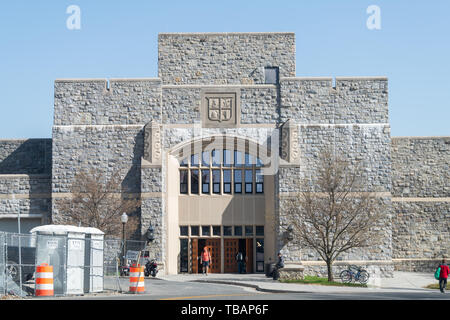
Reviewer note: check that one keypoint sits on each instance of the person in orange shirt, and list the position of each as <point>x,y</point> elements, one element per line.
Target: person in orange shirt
<point>206,260</point>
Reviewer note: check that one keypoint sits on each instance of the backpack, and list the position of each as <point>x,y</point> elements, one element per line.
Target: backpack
<point>437,273</point>
<point>240,257</point>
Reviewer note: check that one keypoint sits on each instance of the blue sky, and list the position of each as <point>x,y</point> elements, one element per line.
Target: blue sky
<point>118,39</point>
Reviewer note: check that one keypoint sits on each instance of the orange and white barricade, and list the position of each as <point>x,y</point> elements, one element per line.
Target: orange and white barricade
<point>137,279</point>
<point>44,280</point>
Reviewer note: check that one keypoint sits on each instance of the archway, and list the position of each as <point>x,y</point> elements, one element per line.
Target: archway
<point>218,194</point>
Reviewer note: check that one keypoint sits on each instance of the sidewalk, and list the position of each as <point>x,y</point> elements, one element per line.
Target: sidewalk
<point>402,281</point>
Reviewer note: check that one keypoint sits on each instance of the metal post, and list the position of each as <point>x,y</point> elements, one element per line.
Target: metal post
<point>123,219</point>
<point>123,244</point>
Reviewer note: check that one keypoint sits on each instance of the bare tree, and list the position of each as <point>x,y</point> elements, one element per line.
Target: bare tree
<point>97,202</point>
<point>334,214</point>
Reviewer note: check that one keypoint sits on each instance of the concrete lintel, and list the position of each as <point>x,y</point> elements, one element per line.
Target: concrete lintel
<point>420,199</point>
<point>24,175</point>
<point>218,86</point>
<point>348,262</point>
<point>18,196</point>
<point>22,215</point>
<point>421,138</point>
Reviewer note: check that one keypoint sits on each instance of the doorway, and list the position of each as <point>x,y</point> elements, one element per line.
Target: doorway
<point>231,248</point>
<point>213,246</point>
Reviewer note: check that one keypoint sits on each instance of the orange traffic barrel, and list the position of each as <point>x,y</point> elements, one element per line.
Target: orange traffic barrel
<point>44,280</point>
<point>137,279</point>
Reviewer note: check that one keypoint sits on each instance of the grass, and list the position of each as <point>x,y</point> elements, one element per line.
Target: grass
<point>323,282</point>
<point>436,286</point>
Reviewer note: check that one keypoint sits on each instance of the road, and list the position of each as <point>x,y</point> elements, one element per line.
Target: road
<point>173,290</point>
<point>173,298</point>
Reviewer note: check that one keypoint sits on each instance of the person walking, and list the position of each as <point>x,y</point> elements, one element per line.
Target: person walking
<point>443,275</point>
<point>206,260</point>
<point>240,261</point>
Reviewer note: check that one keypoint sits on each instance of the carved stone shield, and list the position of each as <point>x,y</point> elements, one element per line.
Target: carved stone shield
<point>220,109</point>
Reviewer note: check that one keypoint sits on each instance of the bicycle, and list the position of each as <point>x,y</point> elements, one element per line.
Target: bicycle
<point>354,273</point>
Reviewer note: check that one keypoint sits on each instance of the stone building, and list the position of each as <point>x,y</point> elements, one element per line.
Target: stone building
<point>216,144</point>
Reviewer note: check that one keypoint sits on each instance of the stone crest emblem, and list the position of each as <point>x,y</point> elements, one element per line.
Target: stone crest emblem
<point>220,109</point>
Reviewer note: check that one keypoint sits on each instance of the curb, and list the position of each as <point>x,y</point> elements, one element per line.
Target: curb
<point>261,289</point>
<point>254,286</point>
<point>145,278</point>
<point>258,288</point>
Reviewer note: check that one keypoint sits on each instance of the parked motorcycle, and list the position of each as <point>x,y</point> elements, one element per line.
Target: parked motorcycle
<point>151,268</point>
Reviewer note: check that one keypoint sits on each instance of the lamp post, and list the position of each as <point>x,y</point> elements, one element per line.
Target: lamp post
<point>123,219</point>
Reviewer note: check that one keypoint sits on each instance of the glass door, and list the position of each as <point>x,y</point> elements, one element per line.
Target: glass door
<point>260,255</point>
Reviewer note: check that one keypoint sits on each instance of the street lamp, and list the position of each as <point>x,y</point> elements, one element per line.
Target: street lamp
<point>124,219</point>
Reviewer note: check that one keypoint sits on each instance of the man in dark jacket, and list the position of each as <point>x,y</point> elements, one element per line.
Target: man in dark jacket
<point>443,275</point>
<point>240,261</point>
<point>279,265</point>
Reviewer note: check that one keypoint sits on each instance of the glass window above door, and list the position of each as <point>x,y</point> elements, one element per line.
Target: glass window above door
<point>221,172</point>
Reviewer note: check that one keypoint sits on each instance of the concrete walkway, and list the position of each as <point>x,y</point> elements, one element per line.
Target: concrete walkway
<point>402,281</point>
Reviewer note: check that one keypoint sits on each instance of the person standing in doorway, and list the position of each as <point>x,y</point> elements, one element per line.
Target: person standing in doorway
<point>240,261</point>
<point>206,260</point>
<point>443,275</point>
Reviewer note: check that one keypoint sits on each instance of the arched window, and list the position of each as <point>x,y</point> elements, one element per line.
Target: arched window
<point>221,171</point>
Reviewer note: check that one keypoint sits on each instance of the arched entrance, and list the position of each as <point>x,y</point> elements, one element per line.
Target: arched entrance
<point>219,197</point>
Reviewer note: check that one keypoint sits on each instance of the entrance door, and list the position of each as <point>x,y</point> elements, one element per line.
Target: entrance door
<point>249,252</point>
<point>194,255</point>
<point>231,247</point>
<point>213,246</point>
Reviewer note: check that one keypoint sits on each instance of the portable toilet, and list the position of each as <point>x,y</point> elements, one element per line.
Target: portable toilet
<point>76,254</point>
<point>93,277</point>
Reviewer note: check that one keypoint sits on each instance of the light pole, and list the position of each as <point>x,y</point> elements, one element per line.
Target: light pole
<point>124,219</point>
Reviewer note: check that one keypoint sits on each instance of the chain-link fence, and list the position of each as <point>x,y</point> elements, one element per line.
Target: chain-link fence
<point>81,263</point>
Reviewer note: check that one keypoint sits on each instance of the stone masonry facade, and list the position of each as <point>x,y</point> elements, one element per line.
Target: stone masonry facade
<point>25,179</point>
<point>421,202</point>
<point>133,124</point>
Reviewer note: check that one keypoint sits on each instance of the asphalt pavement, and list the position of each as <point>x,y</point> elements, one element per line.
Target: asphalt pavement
<point>404,286</point>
